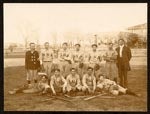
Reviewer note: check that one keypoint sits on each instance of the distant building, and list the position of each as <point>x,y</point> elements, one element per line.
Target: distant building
<point>140,30</point>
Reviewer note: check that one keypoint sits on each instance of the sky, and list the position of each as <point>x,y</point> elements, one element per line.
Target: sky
<point>55,20</point>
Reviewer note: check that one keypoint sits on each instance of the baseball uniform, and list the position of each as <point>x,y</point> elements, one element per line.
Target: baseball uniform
<point>110,66</point>
<point>65,59</point>
<point>73,82</point>
<point>77,58</point>
<point>89,83</point>
<point>46,58</point>
<point>58,84</point>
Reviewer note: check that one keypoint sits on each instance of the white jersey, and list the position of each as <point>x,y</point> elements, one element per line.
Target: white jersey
<point>109,85</point>
<point>94,57</point>
<point>58,81</point>
<point>46,55</point>
<point>64,55</point>
<point>106,83</point>
<point>88,80</point>
<point>109,54</point>
<point>86,57</point>
<point>77,56</point>
<point>73,80</point>
<point>56,58</point>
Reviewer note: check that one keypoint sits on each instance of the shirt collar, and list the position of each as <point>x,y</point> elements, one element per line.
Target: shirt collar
<point>122,46</point>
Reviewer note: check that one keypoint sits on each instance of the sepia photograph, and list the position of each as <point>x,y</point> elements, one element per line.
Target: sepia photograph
<point>75,56</point>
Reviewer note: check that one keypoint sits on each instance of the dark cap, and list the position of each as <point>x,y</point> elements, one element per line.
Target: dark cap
<point>89,68</point>
<point>94,45</point>
<point>31,43</point>
<point>57,69</point>
<point>110,43</point>
<point>78,45</point>
<point>45,76</point>
<point>73,68</point>
<point>65,43</point>
<point>46,43</point>
<point>42,74</point>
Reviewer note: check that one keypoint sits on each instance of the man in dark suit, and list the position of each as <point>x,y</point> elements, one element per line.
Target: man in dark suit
<point>123,58</point>
<point>32,63</point>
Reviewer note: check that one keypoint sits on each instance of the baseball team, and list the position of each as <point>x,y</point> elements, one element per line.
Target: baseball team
<point>65,71</point>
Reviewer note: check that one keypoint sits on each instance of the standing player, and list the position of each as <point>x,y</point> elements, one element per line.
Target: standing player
<point>58,83</point>
<point>73,82</point>
<point>86,60</point>
<point>95,60</point>
<point>65,59</point>
<point>111,68</point>
<point>89,82</point>
<point>77,58</point>
<point>32,63</point>
<point>46,57</point>
<point>56,61</point>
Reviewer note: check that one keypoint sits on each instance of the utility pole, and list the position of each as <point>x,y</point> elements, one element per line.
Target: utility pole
<point>95,39</point>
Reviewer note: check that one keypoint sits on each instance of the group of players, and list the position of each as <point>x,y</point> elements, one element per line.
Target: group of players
<point>71,71</point>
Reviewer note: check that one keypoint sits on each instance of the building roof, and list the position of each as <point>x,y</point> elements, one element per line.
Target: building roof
<point>141,26</point>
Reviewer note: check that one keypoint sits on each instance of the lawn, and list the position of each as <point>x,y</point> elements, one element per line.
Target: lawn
<point>14,76</point>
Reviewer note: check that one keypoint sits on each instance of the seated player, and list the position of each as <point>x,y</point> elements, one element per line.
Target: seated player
<point>107,85</point>
<point>73,82</point>
<point>57,83</point>
<point>89,82</point>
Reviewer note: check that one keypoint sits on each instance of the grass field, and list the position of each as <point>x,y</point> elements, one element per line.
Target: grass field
<point>14,76</point>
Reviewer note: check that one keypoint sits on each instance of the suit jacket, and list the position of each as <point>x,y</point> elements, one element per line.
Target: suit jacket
<point>31,60</point>
<point>126,56</point>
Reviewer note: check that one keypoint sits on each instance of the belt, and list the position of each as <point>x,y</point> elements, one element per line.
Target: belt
<point>47,61</point>
<point>76,61</point>
<point>110,61</point>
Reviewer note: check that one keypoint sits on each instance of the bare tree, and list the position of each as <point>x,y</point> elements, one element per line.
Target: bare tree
<point>28,32</point>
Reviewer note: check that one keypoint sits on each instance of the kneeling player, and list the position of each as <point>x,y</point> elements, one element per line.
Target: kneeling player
<point>73,82</point>
<point>58,83</point>
<point>89,82</point>
<point>112,87</point>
